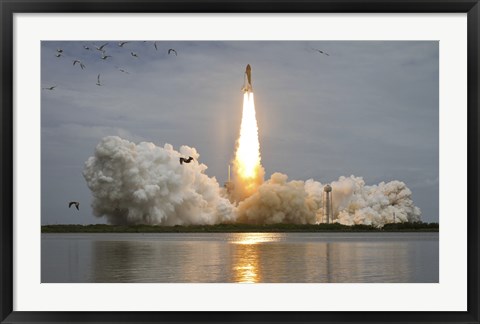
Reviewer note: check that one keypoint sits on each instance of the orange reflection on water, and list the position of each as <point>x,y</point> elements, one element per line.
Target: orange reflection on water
<point>246,274</point>
<point>247,249</point>
<point>255,238</point>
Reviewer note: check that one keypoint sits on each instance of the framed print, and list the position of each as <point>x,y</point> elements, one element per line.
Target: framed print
<point>239,161</point>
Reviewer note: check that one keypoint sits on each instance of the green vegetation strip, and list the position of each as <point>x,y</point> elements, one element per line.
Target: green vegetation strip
<point>239,228</point>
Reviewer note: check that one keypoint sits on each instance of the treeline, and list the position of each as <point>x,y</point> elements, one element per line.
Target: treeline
<point>418,226</point>
<point>232,228</point>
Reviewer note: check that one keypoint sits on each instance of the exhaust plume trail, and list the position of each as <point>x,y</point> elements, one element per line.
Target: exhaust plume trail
<point>247,169</point>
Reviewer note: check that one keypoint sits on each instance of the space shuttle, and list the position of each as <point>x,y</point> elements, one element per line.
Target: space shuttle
<point>247,82</point>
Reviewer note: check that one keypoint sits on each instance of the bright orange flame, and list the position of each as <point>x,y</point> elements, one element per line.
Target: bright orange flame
<point>247,168</point>
<point>248,152</point>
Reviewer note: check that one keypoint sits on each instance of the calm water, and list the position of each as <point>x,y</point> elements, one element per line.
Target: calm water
<point>240,257</point>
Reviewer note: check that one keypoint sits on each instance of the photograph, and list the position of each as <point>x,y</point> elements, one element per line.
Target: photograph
<point>239,162</point>
<point>226,161</point>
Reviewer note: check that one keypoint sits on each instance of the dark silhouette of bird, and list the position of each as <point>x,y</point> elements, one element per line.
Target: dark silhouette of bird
<point>104,57</point>
<point>171,50</point>
<point>186,160</point>
<point>101,47</point>
<point>122,43</point>
<point>155,44</point>
<point>320,51</point>
<point>74,203</point>
<point>59,50</point>
<point>122,70</point>
<point>86,47</point>
<point>49,88</point>
<point>82,66</point>
<point>98,81</point>
<point>58,54</point>
<point>133,54</point>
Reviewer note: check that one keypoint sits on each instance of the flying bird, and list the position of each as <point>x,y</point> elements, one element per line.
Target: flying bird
<point>122,70</point>
<point>49,88</point>
<point>320,51</point>
<point>58,54</point>
<point>82,66</point>
<point>104,57</point>
<point>134,54</point>
<point>98,81</point>
<point>59,50</point>
<point>155,44</point>
<point>186,160</point>
<point>86,47</point>
<point>74,203</point>
<point>122,43</point>
<point>171,50</point>
<point>101,47</point>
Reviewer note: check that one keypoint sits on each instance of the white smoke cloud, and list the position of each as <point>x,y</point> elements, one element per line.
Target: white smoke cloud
<point>299,202</point>
<point>279,201</point>
<point>145,184</point>
<point>356,203</point>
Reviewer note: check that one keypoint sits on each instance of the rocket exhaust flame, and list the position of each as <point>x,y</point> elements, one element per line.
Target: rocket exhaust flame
<point>248,151</point>
<point>247,168</point>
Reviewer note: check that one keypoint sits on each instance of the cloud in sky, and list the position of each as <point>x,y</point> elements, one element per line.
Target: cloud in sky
<point>369,109</point>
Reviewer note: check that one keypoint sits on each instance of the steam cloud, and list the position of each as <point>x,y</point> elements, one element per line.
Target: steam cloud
<point>299,202</point>
<point>145,184</point>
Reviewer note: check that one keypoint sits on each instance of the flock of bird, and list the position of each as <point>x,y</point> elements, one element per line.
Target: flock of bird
<point>104,56</point>
<point>103,50</point>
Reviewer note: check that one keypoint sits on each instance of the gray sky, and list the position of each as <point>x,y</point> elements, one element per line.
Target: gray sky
<point>369,109</point>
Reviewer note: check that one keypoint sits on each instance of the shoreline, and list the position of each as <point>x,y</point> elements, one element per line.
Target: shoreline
<point>239,228</point>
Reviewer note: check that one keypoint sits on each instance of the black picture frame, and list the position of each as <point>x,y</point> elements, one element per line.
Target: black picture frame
<point>9,7</point>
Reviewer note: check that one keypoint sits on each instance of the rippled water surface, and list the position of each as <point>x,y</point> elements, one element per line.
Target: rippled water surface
<point>241,257</point>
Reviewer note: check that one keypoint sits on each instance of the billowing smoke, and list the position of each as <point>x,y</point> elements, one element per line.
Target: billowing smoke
<point>299,202</point>
<point>146,184</point>
<point>280,201</point>
<point>356,203</point>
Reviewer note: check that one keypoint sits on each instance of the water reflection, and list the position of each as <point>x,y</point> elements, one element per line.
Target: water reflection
<point>246,255</point>
<point>240,258</point>
<point>245,263</point>
<point>255,238</point>
<point>156,261</point>
<point>247,252</point>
